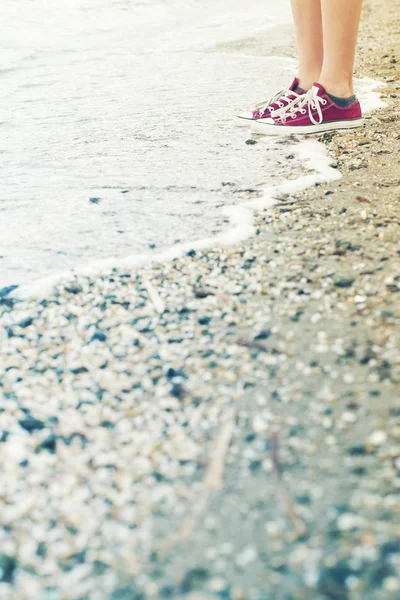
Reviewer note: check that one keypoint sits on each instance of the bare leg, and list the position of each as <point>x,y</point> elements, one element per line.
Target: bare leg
<point>308,24</point>
<point>340,21</point>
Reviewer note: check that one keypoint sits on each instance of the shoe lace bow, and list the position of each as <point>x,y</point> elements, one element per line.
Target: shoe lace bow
<point>310,102</point>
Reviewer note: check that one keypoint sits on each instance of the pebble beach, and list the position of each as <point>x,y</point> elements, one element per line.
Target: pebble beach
<point>224,425</point>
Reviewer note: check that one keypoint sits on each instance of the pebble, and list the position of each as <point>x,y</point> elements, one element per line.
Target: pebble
<point>8,565</point>
<point>348,522</point>
<point>31,424</point>
<point>343,280</point>
<point>378,438</point>
<point>218,584</point>
<point>391,584</point>
<point>5,291</point>
<point>246,557</point>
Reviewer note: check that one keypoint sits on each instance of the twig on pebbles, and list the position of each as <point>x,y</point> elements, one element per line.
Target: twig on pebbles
<point>212,481</point>
<point>154,296</point>
<point>281,491</point>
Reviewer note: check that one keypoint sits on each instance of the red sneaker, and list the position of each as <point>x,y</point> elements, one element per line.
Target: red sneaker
<point>314,112</point>
<point>281,101</point>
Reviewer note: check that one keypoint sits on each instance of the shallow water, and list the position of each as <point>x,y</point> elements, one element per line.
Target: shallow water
<point>117,129</point>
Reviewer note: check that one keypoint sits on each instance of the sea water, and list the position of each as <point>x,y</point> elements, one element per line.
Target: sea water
<point>117,133</point>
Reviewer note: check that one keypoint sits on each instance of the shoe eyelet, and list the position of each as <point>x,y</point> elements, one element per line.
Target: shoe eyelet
<point>294,116</point>
<point>324,102</point>
<point>303,112</point>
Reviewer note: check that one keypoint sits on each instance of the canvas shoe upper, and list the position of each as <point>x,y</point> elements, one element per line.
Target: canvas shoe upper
<point>281,101</point>
<point>314,112</point>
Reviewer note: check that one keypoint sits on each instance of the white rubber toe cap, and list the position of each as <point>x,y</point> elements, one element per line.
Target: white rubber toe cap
<point>246,115</point>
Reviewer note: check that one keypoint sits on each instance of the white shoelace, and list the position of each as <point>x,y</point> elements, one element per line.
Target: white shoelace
<point>289,96</point>
<point>311,100</point>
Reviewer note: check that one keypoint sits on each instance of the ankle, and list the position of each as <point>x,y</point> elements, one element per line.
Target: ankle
<point>340,90</point>
<point>306,83</point>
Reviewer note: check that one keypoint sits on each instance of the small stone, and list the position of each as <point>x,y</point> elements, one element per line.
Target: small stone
<point>204,320</point>
<point>79,370</point>
<point>246,557</point>
<point>391,584</point>
<point>69,562</point>
<point>4,436</point>
<point>26,322</point>
<point>8,564</point>
<point>48,444</point>
<point>349,417</point>
<point>172,373</point>
<point>251,142</point>
<point>259,424</point>
<point>73,289</point>
<point>194,578</point>
<point>390,547</point>
<point>99,336</point>
<point>393,287</point>
<point>264,334</point>
<point>348,522</point>
<point>203,292</point>
<point>217,584</point>
<point>99,567</point>
<point>343,244</point>
<point>358,450</point>
<point>378,438</point>
<point>178,391</point>
<point>226,549</point>
<point>7,290</point>
<point>41,550</point>
<point>343,281</point>
<point>31,424</point>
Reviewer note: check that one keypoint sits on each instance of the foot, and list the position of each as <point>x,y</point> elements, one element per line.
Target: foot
<point>314,112</point>
<point>281,101</point>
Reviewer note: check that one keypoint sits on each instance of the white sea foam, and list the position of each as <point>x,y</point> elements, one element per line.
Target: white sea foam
<point>368,92</point>
<point>142,125</point>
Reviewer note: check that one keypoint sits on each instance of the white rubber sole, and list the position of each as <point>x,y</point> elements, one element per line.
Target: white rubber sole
<point>257,126</point>
<point>243,121</point>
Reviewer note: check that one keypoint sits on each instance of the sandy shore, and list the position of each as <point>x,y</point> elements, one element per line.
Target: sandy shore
<point>226,425</point>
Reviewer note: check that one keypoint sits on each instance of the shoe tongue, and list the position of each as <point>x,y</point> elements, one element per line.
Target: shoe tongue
<point>319,89</point>
<point>295,87</point>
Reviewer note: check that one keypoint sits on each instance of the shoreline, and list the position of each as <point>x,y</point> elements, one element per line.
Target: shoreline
<point>314,161</point>
<point>118,388</point>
